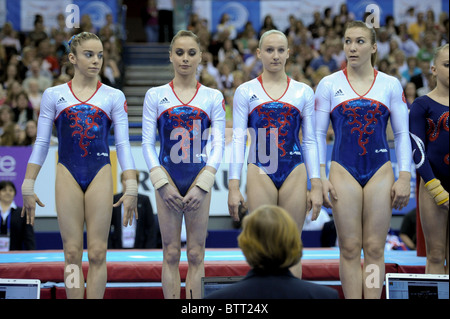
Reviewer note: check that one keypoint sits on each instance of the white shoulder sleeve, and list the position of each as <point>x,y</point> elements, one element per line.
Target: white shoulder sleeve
<point>240,123</point>
<point>309,138</point>
<point>119,117</point>
<point>217,130</point>
<point>149,126</point>
<point>44,130</point>
<point>323,109</point>
<point>400,127</point>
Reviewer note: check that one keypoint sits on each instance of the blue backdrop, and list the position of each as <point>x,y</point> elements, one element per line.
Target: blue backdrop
<point>256,10</point>
<point>96,9</point>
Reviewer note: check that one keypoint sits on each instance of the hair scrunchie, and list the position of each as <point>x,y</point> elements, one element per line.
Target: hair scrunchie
<point>71,39</point>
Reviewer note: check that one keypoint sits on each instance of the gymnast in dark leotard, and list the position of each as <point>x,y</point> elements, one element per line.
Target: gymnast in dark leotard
<point>83,111</point>
<point>273,108</point>
<point>183,113</point>
<point>83,130</point>
<point>359,101</point>
<point>429,138</point>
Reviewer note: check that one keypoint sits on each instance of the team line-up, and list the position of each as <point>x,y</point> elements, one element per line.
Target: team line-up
<point>286,123</point>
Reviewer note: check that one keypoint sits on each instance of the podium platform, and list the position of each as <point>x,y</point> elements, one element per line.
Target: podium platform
<point>136,274</point>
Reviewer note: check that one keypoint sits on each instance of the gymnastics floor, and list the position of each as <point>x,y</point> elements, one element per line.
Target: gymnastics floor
<point>136,274</point>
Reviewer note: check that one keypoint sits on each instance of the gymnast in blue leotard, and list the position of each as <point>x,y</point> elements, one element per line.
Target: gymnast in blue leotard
<point>360,142</point>
<point>359,101</point>
<point>189,119</point>
<point>83,111</point>
<point>272,109</point>
<point>429,138</point>
<point>274,128</point>
<point>182,128</point>
<point>83,130</point>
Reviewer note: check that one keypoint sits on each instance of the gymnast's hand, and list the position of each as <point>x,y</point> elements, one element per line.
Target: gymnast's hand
<point>29,207</point>
<point>235,199</point>
<point>129,208</point>
<point>315,198</point>
<point>328,189</point>
<point>171,197</point>
<point>401,190</point>
<point>193,199</point>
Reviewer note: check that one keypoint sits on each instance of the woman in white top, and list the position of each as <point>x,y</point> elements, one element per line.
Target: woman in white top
<point>183,112</point>
<point>359,101</point>
<point>273,108</point>
<point>83,111</point>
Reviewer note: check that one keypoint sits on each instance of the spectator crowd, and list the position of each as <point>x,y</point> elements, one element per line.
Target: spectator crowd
<point>405,50</point>
<point>31,62</point>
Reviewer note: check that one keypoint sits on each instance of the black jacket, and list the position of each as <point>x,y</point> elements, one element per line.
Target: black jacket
<point>275,284</point>
<point>21,235</point>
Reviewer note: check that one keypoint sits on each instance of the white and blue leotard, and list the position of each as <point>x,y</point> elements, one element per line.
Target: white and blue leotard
<point>274,127</point>
<point>83,129</point>
<point>186,130</point>
<point>359,124</point>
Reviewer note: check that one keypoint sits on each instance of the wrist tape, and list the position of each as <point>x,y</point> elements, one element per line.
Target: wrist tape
<point>205,181</point>
<point>28,187</point>
<point>131,187</point>
<point>158,178</point>
<point>435,189</point>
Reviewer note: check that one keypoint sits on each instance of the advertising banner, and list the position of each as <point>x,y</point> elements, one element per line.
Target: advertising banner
<point>13,165</point>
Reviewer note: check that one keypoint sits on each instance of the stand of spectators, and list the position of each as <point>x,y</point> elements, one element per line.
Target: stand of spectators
<point>316,50</point>
<point>31,62</point>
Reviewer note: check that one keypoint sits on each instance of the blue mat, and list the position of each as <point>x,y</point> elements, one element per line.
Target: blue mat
<point>407,258</point>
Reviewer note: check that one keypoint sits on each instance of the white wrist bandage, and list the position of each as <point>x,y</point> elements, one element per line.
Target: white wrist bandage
<point>158,178</point>
<point>28,187</point>
<point>206,180</point>
<point>131,187</point>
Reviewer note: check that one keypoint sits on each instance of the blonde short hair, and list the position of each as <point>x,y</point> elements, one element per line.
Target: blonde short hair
<point>267,33</point>
<point>270,239</point>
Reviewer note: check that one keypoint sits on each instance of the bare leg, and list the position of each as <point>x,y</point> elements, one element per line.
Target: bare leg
<point>347,212</point>
<point>292,197</point>
<point>70,209</point>
<point>260,189</point>
<point>196,229</point>
<point>264,192</point>
<point>377,211</point>
<point>435,229</point>
<point>170,225</point>
<point>98,211</point>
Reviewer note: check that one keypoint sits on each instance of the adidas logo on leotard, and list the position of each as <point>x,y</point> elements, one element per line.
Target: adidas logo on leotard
<point>339,93</point>
<point>61,100</point>
<point>164,101</point>
<point>253,98</point>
